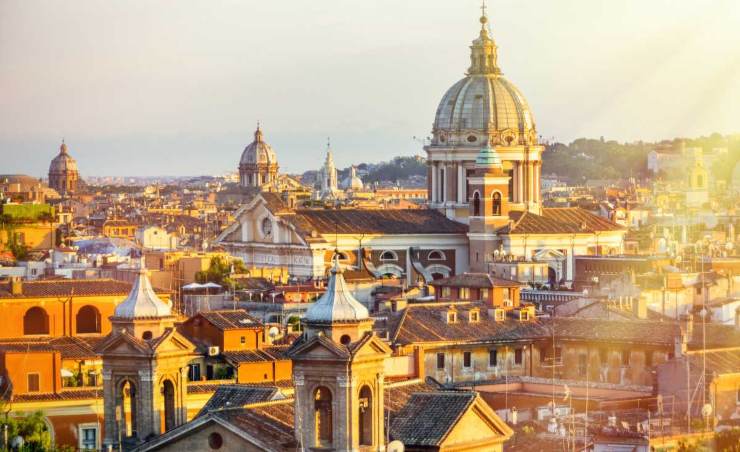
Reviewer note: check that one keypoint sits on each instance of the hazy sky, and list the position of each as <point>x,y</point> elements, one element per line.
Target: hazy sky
<point>156,87</point>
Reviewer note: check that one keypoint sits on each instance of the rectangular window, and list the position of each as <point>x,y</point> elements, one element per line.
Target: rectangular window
<point>464,293</point>
<point>518,356</point>
<point>582,364</point>
<point>492,358</point>
<point>484,294</point>
<point>243,340</point>
<point>440,360</point>
<point>445,292</point>
<point>649,358</point>
<point>88,438</point>
<point>33,383</point>
<point>467,358</point>
<point>507,294</point>
<point>194,372</point>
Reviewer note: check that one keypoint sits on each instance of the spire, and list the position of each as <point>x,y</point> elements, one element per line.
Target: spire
<point>337,304</point>
<point>484,52</point>
<point>258,133</point>
<point>63,148</point>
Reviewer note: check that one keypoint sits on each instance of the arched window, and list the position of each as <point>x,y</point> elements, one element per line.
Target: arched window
<point>323,417</point>
<point>366,416</point>
<point>36,321</point>
<point>496,203</point>
<point>476,204</point>
<point>436,255</point>
<point>388,255</point>
<point>147,335</point>
<point>127,404</point>
<point>168,391</point>
<point>88,320</point>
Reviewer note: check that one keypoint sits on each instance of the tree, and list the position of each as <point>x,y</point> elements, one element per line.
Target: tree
<point>32,428</point>
<point>219,270</point>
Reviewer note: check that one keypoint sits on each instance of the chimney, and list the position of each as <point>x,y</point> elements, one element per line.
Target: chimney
<point>639,308</point>
<point>16,285</point>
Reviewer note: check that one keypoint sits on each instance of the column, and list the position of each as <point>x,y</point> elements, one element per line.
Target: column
<point>459,183</point>
<point>433,195</point>
<point>109,409</point>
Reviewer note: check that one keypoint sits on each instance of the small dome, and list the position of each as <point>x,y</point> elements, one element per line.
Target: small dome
<point>142,302</point>
<point>63,162</point>
<point>258,151</point>
<point>353,181</point>
<point>337,304</point>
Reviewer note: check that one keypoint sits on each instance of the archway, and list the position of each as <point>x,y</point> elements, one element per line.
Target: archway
<point>126,409</point>
<point>35,321</point>
<point>88,320</point>
<point>323,428</point>
<point>496,206</point>
<point>366,416</point>
<point>476,204</point>
<point>168,393</point>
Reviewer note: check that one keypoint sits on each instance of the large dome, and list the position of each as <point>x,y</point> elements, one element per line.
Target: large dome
<point>484,106</point>
<point>258,151</point>
<point>63,162</point>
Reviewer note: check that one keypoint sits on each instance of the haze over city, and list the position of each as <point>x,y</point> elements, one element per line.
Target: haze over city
<point>161,88</point>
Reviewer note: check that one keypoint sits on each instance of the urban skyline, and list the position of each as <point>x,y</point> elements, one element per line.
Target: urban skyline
<point>131,87</point>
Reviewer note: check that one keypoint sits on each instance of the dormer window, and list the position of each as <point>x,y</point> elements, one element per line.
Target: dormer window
<point>473,316</point>
<point>451,317</point>
<point>524,315</point>
<point>499,315</point>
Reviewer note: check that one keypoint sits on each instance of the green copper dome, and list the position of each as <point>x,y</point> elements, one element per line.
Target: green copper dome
<point>488,157</point>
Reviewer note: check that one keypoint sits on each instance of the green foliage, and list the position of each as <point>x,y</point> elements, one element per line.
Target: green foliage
<point>397,169</point>
<point>28,212</point>
<point>32,428</point>
<point>223,373</point>
<point>219,270</point>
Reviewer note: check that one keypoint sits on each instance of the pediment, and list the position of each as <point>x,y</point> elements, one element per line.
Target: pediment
<point>372,347</point>
<point>320,348</point>
<point>123,344</point>
<point>173,342</point>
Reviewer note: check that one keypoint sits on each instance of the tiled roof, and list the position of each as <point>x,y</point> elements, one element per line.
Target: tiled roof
<point>68,287</point>
<point>717,336</point>
<point>250,356</point>
<point>565,220</point>
<point>231,319</point>
<point>233,396</point>
<point>74,394</point>
<point>726,361</point>
<point>371,221</point>
<point>428,417</point>
<point>478,280</point>
<point>69,347</point>
<point>425,323</point>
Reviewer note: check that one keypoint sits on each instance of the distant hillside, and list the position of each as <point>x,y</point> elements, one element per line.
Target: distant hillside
<point>587,158</point>
<point>397,169</point>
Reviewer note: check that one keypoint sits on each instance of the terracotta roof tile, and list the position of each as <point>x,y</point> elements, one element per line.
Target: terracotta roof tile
<point>231,319</point>
<point>565,220</point>
<point>69,287</point>
<point>476,280</point>
<point>353,221</point>
<point>428,417</point>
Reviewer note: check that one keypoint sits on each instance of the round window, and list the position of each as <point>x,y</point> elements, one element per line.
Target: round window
<point>472,139</point>
<point>215,441</point>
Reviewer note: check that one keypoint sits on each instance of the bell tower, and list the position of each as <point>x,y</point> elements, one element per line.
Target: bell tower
<point>488,204</point>
<point>145,363</point>
<point>338,367</point>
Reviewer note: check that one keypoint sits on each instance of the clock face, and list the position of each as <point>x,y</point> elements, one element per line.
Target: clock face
<point>266,226</point>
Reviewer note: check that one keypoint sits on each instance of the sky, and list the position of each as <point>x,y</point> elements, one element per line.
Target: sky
<point>155,87</point>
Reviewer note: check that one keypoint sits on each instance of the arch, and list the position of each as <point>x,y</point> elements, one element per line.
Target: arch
<point>390,270</point>
<point>345,339</point>
<point>438,271</point>
<point>88,320</point>
<point>126,402</point>
<point>36,321</point>
<point>323,423</point>
<point>476,204</point>
<point>147,335</point>
<point>436,255</point>
<point>341,255</point>
<point>496,203</point>
<point>365,416</point>
<point>388,255</point>
<point>168,399</point>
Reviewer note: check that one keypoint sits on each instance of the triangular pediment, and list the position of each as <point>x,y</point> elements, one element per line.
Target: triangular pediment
<point>172,341</point>
<point>373,346</point>
<point>320,347</point>
<point>123,344</point>
<point>479,424</point>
